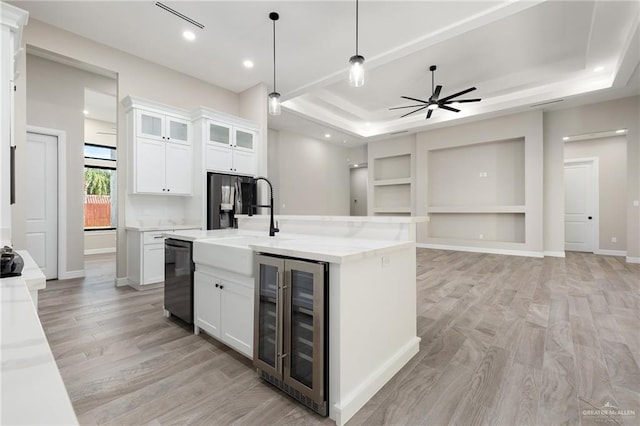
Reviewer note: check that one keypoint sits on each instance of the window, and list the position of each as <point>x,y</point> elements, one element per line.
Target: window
<point>100,184</point>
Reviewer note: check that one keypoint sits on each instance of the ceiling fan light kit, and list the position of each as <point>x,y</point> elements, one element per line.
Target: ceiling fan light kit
<point>434,102</point>
<point>274,97</point>
<point>356,70</point>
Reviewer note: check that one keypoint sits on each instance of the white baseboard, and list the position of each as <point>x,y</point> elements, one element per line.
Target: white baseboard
<point>100,251</point>
<point>69,275</point>
<point>481,250</point>
<point>633,259</point>
<point>611,252</point>
<point>554,254</point>
<point>121,282</point>
<point>342,411</point>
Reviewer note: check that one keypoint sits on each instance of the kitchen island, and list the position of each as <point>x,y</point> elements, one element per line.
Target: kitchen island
<point>371,295</point>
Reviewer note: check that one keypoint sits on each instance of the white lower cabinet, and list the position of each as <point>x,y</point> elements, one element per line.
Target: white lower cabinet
<point>224,309</point>
<point>145,258</point>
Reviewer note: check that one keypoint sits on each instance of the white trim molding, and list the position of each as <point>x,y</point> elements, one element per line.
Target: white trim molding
<point>611,252</point>
<point>554,254</point>
<point>89,252</point>
<point>481,250</point>
<point>70,275</point>
<point>633,259</point>
<point>121,282</point>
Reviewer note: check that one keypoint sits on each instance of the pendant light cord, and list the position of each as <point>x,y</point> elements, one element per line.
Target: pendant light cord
<point>356,27</point>
<point>274,55</point>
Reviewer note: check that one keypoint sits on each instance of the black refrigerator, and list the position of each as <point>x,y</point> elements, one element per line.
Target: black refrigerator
<point>227,196</point>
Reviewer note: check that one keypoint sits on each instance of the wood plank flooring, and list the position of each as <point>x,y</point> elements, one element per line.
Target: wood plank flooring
<point>505,341</point>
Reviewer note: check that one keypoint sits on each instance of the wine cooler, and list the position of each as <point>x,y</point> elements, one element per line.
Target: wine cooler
<point>290,348</point>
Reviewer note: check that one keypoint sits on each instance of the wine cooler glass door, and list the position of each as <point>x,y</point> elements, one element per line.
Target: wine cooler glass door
<point>304,333</point>
<point>267,345</point>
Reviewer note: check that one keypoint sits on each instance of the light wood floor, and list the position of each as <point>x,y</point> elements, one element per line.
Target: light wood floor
<point>505,341</point>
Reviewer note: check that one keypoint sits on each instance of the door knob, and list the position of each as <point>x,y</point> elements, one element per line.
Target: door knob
<point>590,218</point>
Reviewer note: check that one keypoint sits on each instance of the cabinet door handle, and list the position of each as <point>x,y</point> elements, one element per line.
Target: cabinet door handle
<point>158,237</point>
<point>164,189</point>
<point>168,190</point>
<point>221,286</point>
<point>217,285</point>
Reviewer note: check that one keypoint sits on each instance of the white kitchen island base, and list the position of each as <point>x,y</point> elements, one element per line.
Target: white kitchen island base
<point>372,327</point>
<point>372,320</point>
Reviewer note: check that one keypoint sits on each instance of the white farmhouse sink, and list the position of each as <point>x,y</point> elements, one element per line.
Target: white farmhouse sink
<point>229,253</point>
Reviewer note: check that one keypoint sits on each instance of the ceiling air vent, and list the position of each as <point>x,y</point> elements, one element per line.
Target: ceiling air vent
<point>546,103</point>
<point>179,15</point>
<point>397,133</point>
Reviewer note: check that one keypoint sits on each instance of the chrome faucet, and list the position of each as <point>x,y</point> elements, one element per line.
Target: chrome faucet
<point>272,228</point>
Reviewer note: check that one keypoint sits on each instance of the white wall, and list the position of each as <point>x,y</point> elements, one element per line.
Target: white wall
<point>516,126</point>
<point>611,115</point>
<point>611,153</point>
<point>358,155</point>
<point>97,242</point>
<point>312,175</point>
<point>97,131</point>
<point>55,100</point>
<point>136,77</point>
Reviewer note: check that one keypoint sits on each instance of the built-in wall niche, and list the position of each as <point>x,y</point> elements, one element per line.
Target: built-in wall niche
<point>479,177</point>
<point>393,198</point>
<point>397,167</point>
<point>499,227</point>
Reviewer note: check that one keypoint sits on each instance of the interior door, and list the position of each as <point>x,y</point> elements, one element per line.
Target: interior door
<point>41,200</point>
<point>579,206</point>
<point>358,190</point>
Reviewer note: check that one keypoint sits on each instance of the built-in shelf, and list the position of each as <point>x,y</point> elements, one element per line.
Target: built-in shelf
<point>392,167</point>
<point>404,209</point>
<point>398,181</point>
<point>476,209</point>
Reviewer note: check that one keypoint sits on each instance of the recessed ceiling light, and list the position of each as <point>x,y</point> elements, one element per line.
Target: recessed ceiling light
<point>189,35</point>
<point>344,141</point>
<point>566,138</point>
<point>327,135</point>
<point>433,106</point>
<point>355,165</point>
<point>85,112</point>
<point>598,69</point>
<point>247,64</point>
<point>620,131</point>
<point>367,124</point>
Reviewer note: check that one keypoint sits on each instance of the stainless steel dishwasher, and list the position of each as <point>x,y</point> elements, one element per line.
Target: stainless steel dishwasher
<point>178,279</point>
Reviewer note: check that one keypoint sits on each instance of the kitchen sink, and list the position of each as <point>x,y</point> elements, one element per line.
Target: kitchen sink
<point>229,253</point>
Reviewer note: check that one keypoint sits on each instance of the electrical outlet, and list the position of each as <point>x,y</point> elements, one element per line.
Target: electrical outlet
<point>386,261</point>
<point>481,236</point>
<point>636,203</point>
<point>614,240</point>
<point>283,205</point>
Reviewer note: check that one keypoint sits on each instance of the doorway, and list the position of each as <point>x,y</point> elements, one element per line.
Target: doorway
<point>359,177</point>
<point>581,205</point>
<point>42,187</point>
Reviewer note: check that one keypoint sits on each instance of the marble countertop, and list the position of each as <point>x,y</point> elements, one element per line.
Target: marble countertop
<point>368,219</point>
<point>33,392</point>
<point>332,250</point>
<point>160,227</point>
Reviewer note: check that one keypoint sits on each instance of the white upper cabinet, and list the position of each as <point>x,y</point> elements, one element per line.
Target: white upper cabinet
<point>160,149</point>
<point>162,127</point>
<point>229,142</point>
<point>230,149</point>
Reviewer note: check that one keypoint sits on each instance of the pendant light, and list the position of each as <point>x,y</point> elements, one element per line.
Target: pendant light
<point>274,97</point>
<point>356,72</point>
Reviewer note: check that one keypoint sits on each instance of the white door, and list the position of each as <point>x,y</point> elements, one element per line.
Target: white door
<point>41,202</point>
<point>580,208</point>
<point>236,312</point>
<point>358,191</point>
<point>178,173</point>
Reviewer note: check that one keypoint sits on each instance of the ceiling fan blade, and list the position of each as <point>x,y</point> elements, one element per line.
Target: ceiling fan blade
<point>448,108</point>
<point>436,93</point>
<point>414,99</point>
<point>462,101</point>
<point>429,113</point>
<point>409,113</point>
<point>471,89</point>
<point>408,106</point>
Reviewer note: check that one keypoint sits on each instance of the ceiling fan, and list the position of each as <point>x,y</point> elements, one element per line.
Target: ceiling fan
<point>435,102</point>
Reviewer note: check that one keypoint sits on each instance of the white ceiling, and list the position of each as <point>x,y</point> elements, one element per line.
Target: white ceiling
<point>517,53</point>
